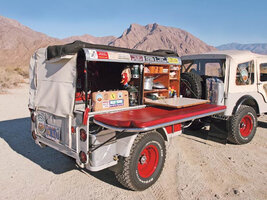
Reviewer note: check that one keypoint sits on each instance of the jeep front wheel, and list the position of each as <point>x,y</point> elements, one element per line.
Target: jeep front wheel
<point>243,125</point>
<point>143,166</point>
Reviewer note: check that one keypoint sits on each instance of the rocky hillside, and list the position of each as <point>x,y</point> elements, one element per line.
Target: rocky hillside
<point>90,39</point>
<point>260,48</point>
<point>18,43</point>
<point>153,36</point>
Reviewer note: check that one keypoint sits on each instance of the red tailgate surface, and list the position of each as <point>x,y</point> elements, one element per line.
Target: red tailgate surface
<point>150,116</point>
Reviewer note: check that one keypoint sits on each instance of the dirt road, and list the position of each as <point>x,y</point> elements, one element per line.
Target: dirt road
<point>195,168</point>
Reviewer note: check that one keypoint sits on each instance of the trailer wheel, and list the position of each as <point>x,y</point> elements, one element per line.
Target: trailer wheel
<point>243,125</point>
<point>143,166</point>
<point>190,85</point>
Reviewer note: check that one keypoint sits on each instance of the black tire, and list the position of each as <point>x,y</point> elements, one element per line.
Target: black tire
<point>243,125</point>
<point>131,176</point>
<point>191,85</point>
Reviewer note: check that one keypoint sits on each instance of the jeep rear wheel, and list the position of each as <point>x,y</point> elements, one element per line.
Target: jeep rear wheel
<point>243,125</point>
<point>143,166</point>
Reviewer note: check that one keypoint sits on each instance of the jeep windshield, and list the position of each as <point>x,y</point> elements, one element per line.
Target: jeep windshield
<point>205,67</point>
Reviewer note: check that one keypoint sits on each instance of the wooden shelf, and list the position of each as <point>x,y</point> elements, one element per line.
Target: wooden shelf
<point>155,90</point>
<point>149,74</point>
<point>166,80</point>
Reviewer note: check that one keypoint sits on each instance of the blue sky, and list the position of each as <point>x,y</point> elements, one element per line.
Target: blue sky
<point>213,21</point>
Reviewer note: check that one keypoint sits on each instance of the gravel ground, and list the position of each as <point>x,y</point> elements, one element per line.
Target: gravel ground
<point>195,168</point>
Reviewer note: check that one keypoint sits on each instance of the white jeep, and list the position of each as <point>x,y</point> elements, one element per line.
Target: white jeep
<point>236,79</point>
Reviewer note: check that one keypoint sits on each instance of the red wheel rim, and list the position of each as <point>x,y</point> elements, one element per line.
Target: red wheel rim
<point>246,125</point>
<point>148,161</point>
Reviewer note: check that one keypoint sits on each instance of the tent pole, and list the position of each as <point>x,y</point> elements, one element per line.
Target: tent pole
<point>86,85</point>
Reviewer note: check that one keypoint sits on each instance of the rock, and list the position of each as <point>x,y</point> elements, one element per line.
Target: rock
<point>236,191</point>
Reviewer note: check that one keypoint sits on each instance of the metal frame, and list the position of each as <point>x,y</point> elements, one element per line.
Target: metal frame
<point>156,126</point>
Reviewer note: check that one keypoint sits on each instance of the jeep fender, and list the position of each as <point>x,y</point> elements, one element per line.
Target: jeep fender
<point>246,100</point>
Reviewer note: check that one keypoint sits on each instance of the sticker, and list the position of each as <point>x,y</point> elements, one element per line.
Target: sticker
<point>105,104</point>
<point>92,54</point>
<point>173,60</point>
<point>120,102</point>
<point>112,96</point>
<point>124,56</point>
<point>99,97</point>
<point>102,55</point>
<point>149,58</point>
<point>137,58</point>
<point>116,103</point>
<point>161,59</point>
<point>106,96</point>
<point>120,95</point>
<point>113,56</point>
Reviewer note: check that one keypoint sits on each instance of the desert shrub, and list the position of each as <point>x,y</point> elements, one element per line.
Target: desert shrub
<point>9,77</point>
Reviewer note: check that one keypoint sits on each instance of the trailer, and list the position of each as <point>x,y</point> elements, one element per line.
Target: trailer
<point>110,107</point>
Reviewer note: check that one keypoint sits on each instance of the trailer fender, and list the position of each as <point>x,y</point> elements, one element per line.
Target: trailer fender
<point>163,133</point>
<point>124,144</point>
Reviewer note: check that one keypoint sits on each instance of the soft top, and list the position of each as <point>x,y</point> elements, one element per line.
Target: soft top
<point>223,54</point>
<point>58,51</point>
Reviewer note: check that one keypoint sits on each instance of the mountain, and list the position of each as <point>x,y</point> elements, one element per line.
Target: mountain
<point>153,36</point>
<point>18,43</point>
<point>260,48</point>
<point>90,39</point>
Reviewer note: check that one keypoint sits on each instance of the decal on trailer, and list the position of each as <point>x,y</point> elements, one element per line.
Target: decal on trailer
<point>92,54</point>
<point>99,97</point>
<point>102,55</point>
<point>124,56</point>
<point>112,96</point>
<point>156,59</point>
<point>115,103</point>
<point>173,60</point>
<point>137,58</point>
<point>161,59</point>
<point>149,58</point>
<point>105,104</point>
<point>120,95</point>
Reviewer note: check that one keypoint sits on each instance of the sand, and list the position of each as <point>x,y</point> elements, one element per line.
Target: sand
<point>195,168</point>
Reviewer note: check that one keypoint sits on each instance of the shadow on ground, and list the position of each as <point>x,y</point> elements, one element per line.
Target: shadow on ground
<point>16,133</point>
<point>262,124</point>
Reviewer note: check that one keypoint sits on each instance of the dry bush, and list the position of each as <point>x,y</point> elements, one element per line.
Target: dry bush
<point>10,77</point>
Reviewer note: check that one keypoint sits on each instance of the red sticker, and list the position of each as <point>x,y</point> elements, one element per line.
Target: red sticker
<point>102,55</point>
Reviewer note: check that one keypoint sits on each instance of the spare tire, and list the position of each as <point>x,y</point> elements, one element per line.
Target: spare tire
<point>190,85</point>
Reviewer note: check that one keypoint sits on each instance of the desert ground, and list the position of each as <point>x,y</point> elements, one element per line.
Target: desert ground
<point>195,168</point>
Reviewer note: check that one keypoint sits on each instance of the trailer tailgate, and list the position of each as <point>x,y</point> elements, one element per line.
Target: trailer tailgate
<point>156,116</point>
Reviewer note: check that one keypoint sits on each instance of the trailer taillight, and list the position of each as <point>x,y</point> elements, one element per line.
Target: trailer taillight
<point>83,157</point>
<point>73,130</point>
<point>83,135</point>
